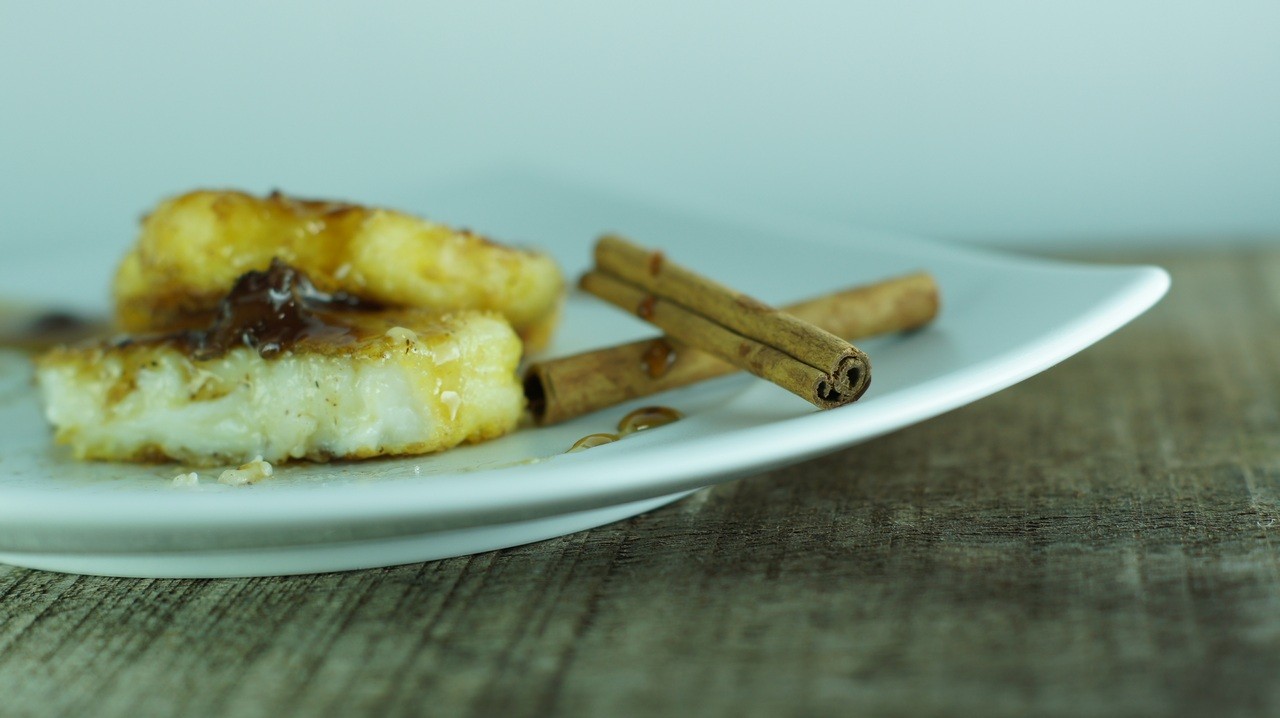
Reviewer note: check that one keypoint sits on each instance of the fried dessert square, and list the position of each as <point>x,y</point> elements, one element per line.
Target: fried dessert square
<point>288,372</point>
<point>193,247</point>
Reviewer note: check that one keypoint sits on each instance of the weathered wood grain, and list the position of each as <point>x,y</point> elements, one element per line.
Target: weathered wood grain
<point>1099,540</point>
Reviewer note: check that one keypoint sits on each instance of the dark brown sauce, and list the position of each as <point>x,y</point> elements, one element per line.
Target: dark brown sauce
<point>270,312</point>
<point>647,417</point>
<point>658,358</point>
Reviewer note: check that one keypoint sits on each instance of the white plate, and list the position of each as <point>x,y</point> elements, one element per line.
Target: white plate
<point>1004,318</point>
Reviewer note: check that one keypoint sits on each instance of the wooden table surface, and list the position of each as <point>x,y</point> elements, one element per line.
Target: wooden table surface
<point>1099,540</point>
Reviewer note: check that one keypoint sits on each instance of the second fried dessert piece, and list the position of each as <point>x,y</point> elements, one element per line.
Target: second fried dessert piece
<point>193,247</point>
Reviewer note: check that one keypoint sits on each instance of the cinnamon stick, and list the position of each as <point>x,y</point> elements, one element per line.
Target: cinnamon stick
<point>764,360</point>
<point>738,312</point>
<point>564,388</point>
<point>810,362</point>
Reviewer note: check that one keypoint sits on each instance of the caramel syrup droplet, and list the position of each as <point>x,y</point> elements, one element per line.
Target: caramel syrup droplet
<point>655,263</point>
<point>644,310</point>
<point>592,440</point>
<point>658,358</point>
<point>647,417</point>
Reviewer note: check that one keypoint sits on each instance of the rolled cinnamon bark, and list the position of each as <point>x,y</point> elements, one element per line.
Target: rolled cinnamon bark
<point>745,315</point>
<point>564,388</point>
<point>765,361</point>
<point>733,326</point>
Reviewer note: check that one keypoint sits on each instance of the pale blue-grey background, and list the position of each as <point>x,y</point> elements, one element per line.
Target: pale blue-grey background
<point>1002,122</point>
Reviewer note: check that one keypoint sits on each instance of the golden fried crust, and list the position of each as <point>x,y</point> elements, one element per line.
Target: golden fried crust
<point>192,248</point>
